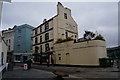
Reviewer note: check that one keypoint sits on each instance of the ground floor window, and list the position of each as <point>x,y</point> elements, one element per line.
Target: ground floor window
<point>17,57</point>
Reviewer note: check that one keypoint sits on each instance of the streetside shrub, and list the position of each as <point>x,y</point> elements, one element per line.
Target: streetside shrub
<point>60,40</point>
<point>99,37</point>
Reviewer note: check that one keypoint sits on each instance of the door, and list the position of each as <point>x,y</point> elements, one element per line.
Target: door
<point>67,58</point>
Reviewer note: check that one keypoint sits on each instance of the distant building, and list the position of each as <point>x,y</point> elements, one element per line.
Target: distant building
<point>114,52</point>
<point>22,42</point>
<point>8,36</point>
<point>61,26</point>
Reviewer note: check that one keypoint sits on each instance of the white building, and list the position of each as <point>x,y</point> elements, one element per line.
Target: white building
<point>3,56</point>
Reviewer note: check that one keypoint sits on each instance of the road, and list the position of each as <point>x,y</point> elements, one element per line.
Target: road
<point>39,72</point>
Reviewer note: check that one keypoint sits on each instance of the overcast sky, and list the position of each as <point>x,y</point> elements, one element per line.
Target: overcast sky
<point>94,16</point>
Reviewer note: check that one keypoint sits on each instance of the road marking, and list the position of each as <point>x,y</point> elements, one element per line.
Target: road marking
<point>71,76</point>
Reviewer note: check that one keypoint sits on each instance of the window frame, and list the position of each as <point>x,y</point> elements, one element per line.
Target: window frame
<point>65,15</point>
<point>46,26</point>
<point>46,36</point>
<point>47,47</point>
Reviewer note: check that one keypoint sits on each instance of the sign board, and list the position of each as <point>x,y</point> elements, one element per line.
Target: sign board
<point>25,66</point>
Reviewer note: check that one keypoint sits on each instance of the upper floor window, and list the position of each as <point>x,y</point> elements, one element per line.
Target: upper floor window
<point>40,39</point>
<point>47,36</point>
<point>65,15</point>
<point>36,31</point>
<point>19,38</point>
<point>18,47</point>
<point>2,58</point>
<point>9,40</point>
<point>75,36</point>
<point>19,31</point>
<point>66,34</point>
<point>40,29</point>
<point>36,40</point>
<point>36,49</point>
<point>0,38</point>
<point>9,47</point>
<point>47,47</point>
<point>46,26</point>
<point>40,48</point>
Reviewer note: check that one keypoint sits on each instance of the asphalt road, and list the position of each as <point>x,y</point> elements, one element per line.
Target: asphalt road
<point>41,72</point>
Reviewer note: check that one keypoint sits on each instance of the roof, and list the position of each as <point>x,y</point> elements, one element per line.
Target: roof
<point>46,22</point>
<point>22,26</point>
<point>114,48</point>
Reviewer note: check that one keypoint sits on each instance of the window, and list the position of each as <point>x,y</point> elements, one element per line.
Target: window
<point>59,58</point>
<point>40,39</point>
<point>0,38</point>
<point>9,40</point>
<point>46,26</point>
<point>35,31</point>
<point>36,49</point>
<point>19,38</point>
<point>65,15</point>
<point>19,31</point>
<point>17,57</point>
<point>36,40</point>
<point>18,47</point>
<point>46,36</point>
<point>40,48</point>
<point>9,47</point>
<point>2,58</point>
<point>47,47</point>
<point>41,29</point>
<point>66,34</point>
<point>75,36</point>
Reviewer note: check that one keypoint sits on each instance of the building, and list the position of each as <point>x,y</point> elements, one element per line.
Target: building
<point>61,26</point>
<point>114,52</point>
<point>8,36</point>
<point>3,55</point>
<point>85,53</point>
<point>114,56</point>
<point>22,42</point>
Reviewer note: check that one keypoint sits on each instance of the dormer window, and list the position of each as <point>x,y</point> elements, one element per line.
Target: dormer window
<point>65,15</point>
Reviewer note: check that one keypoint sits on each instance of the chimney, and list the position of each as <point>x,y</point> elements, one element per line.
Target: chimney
<point>59,3</point>
<point>44,20</point>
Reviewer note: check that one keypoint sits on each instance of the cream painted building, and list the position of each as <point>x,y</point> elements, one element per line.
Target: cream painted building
<point>46,34</point>
<point>86,53</point>
<point>8,36</point>
<point>60,27</point>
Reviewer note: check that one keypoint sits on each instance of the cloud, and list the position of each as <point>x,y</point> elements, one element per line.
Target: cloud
<point>94,16</point>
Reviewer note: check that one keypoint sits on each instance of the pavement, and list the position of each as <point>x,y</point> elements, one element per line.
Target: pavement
<point>75,73</point>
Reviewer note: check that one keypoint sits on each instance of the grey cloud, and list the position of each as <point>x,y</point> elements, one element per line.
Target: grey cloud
<point>101,17</point>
